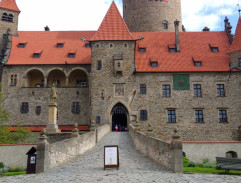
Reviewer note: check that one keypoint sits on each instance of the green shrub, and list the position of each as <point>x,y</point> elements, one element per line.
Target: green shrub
<point>199,165</point>
<point>1,165</point>
<point>185,161</point>
<point>15,169</point>
<point>191,164</point>
<point>206,160</point>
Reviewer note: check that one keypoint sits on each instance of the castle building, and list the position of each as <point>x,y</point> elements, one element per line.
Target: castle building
<point>138,68</point>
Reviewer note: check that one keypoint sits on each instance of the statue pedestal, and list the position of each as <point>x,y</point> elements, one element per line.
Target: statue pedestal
<point>52,126</point>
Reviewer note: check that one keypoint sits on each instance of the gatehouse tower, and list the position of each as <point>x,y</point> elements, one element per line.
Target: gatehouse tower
<point>152,15</point>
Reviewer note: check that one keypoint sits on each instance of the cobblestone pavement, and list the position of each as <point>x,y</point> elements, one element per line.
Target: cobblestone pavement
<point>134,168</point>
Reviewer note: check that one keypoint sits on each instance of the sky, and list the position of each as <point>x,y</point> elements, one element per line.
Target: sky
<point>61,15</point>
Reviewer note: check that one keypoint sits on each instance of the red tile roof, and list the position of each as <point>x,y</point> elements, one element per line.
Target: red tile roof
<point>112,27</point>
<point>46,41</point>
<point>236,45</point>
<point>9,4</point>
<point>193,44</point>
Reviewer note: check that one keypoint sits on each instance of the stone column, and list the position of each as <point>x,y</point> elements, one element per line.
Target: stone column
<point>177,153</point>
<point>52,126</point>
<point>67,81</point>
<point>45,81</point>
<point>42,153</point>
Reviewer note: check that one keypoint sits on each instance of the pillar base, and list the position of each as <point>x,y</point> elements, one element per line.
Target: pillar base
<point>52,128</point>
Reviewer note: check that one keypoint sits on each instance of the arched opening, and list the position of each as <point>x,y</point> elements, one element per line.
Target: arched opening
<point>35,78</point>
<point>78,78</point>
<point>119,118</point>
<point>58,76</point>
<point>231,154</point>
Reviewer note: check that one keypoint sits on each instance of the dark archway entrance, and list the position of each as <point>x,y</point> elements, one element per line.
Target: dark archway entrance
<point>119,117</point>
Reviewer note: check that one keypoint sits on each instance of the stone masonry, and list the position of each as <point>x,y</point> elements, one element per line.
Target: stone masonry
<point>149,16</point>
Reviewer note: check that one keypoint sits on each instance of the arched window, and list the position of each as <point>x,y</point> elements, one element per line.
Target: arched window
<point>10,18</point>
<point>231,154</point>
<point>5,17</point>
<point>165,24</point>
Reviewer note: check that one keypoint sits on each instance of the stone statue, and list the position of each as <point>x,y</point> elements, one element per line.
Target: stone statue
<point>53,96</point>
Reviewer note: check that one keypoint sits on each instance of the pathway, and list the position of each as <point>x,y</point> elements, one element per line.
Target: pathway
<point>134,168</point>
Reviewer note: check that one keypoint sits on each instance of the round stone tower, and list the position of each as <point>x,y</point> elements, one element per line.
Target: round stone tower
<point>152,15</point>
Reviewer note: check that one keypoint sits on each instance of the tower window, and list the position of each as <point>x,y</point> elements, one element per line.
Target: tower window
<point>199,116</point>
<point>10,18</point>
<point>75,108</point>
<point>111,45</point>
<point>24,108</point>
<point>223,116</point>
<point>99,65</point>
<point>4,36</point>
<point>239,62</point>
<point>143,115</point>
<point>3,52</point>
<point>171,116</point>
<point>166,90</point>
<point>165,26</point>
<point>5,17</point>
<point>142,89</point>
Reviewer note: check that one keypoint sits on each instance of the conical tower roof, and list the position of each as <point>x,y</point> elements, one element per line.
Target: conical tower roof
<point>9,5</point>
<point>112,27</point>
<point>236,45</point>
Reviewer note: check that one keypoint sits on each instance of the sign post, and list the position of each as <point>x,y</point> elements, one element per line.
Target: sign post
<point>111,157</point>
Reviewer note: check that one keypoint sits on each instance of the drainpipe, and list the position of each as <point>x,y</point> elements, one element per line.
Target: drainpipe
<point>177,40</point>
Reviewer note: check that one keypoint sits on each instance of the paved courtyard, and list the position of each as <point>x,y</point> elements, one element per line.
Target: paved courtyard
<point>134,168</point>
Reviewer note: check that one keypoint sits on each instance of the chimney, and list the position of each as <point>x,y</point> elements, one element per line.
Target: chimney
<point>228,30</point>
<point>177,40</point>
<point>206,29</point>
<point>47,28</point>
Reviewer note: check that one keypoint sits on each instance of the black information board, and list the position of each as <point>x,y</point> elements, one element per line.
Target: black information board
<point>111,157</point>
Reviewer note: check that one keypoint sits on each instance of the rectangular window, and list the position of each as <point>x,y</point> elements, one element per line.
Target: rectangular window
<point>4,36</point>
<point>38,110</point>
<point>99,65</point>
<point>220,90</point>
<point>199,116</point>
<point>98,119</point>
<point>75,108</point>
<point>166,90</point>
<point>21,45</point>
<point>165,26</point>
<point>239,62</point>
<point>2,52</point>
<point>71,55</point>
<point>197,90</point>
<point>171,116</point>
<point>142,89</point>
<point>214,49</point>
<point>81,84</point>
<point>13,81</point>
<point>36,55</point>
<point>143,115</point>
<point>223,116</point>
<point>24,108</point>
<point>154,64</point>
<point>198,64</point>
<point>142,50</point>
<point>60,45</point>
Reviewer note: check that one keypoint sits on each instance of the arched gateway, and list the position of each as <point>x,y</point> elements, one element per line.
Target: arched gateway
<point>119,117</point>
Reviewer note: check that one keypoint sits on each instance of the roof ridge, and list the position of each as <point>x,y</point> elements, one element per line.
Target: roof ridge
<point>113,27</point>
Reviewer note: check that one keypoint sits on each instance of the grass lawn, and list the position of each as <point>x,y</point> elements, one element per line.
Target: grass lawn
<point>209,171</point>
<point>12,173</point>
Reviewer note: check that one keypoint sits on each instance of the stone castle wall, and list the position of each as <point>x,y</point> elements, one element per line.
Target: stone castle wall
<point>15,95</point>
<point>149,16</point>
<point>182,101</point>
<point>234,59</point>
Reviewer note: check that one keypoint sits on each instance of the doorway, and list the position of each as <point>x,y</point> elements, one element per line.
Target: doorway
<point>119,118</point>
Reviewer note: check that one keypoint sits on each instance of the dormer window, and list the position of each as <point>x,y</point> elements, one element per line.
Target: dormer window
<point>172,48</point>
<point>60,45</point>
<point>197,62</point>
<point>71,55</point>
<point>87,45</point>
<point>22,45</point>
<point>214,48</point>
<point>37,54</point>
<point>142,48</point>
<point>154,62</point>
